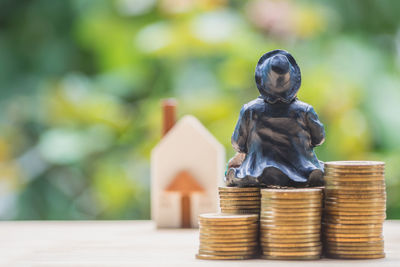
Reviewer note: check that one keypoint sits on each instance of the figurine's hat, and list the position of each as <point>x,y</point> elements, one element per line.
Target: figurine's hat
<point>278,76</point>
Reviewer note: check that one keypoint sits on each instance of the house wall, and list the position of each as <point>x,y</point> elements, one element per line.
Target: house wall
<point>187,146</point>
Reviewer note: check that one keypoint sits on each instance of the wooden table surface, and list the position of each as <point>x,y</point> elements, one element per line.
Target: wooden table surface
<point>135,243</point>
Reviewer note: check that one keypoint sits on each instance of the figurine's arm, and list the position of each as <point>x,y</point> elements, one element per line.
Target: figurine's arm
<point>237,160</point>
<point>316,127</point>
<point>239,137</point>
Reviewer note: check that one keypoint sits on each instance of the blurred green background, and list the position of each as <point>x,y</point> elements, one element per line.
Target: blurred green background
<point>81,83</point>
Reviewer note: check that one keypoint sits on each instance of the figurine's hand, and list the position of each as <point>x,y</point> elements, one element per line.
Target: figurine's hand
<point>237,160</point>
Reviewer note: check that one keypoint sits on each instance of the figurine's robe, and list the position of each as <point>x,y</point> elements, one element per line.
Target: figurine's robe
<point>278,139</point>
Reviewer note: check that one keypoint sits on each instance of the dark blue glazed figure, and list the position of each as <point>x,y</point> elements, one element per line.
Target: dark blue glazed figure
<point>276,133</point>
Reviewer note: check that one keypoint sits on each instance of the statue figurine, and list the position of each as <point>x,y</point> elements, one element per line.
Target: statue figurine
<point>276,133</point>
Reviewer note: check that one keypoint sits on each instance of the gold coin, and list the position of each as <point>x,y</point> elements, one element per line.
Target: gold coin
<point>290,245</point>
<point>239,247</point>
<point>351,231</point>
<point>335,199</point>
<point>291,205</point>
<point>333,231</point>
<point>207,240</point>
<point>228,253</point>
<point>228,236</point>
<point>298,221</point>
<point>227,232</point>
<point>362,183</point>
<point>365,174</point>
<point>290,221</point>
<point>284,204</point>
<point>251,243</point>
<point>240,207</point>
<point>354,252</point>
<point>345,256</point>
<point>354,209</point>
<point>290,232</point>
<point>228,223</point>
<point>302,227</point>
<point>359,172</point>
<point>218,217</point>
<point>351,172</point>
<point>371,180</point>
<point>354,164</point>
<point>356,217</point>
<point>291,254</point>
<point>353,213</point>
<point>357,176</point>
<point>305,199</point>
<point>292,198</point>
<point>353,167</point>
<point>334,247</point>
<point>360,191</point>
<point>242,232</point>
<point>357,189</point>
<point>355,204</point>
<point>381,196</point>
<point>290,210</point>
<point>357,226</point>
<point>225,248</point>
<point>352,227</point>
<point>265,240</point>
<point>291,215</point>
<point>240,211</point>
<point>293,249</point>
<point>291,193</point>
<point>339,210</point>
<point>355,186</point>
<point>289,241</point>
<point>238,189</point>
<point>240,202</point>
<point>343,221</point>
<point>310,190</point>
<point>232,208</point>
<point>290,257</point>
<point>288,236</point>
<point>229,198</point>
<point>213,257</point>
<point>350,235</point>
<point>230,227</point>
<point>239,195</point>
<point>352,239</point>
<point>350,202</point>
<point>361,200</point>
<point>239,199</point>
<point>354,245</point>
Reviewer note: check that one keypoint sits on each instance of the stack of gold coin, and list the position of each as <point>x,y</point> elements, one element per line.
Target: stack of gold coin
<point>228,236</point>
<point>239,200</point>
<point>355,208</point>
<point>290,223</point>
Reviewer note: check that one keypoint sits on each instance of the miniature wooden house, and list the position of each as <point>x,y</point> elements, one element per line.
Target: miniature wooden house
<point>187,167</point>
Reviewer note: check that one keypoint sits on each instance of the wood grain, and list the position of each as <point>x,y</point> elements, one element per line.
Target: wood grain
<point>135,243</point>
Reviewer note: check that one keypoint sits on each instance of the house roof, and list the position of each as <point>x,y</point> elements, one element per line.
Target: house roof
<point>189,122</point>
<point>184,183</point>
